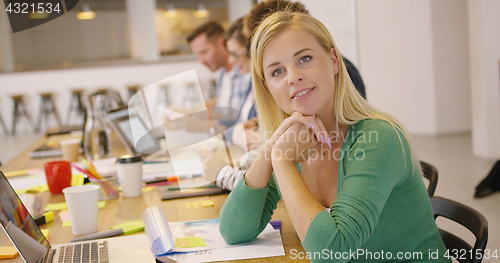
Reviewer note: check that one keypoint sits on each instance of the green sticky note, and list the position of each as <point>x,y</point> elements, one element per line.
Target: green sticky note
<point>130,227</point>
<point>184,242</point>
<point>56,206</point>
<point>67,223</point>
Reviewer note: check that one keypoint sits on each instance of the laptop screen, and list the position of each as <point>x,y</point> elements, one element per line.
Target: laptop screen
<point>129,127</point>
<point>19,225</point>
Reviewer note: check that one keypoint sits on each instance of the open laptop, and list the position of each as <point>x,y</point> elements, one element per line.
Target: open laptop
<point>34,247</point>
<point>125,122</point>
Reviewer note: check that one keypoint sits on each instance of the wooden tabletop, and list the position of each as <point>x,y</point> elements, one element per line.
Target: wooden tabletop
<point>122,210</point>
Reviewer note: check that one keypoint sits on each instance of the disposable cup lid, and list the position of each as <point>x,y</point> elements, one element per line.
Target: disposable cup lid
<point>129,159</point>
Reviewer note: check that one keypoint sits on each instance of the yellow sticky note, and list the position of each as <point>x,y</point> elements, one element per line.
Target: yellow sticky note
<point>15,173</point>
<point>190,205</point>
<point>22,191</point>
<point>8,252</point>
<point>101,204</point>
<point>39,188</point>
<point>207,203</point>
<point>45,233</point>
<point>56,206</point>
<point>148,188</point>
<point>204,203</point>
<point>67,223</point>
<point>184,242</point>
<point>76,179</point>
<point>130,227</point>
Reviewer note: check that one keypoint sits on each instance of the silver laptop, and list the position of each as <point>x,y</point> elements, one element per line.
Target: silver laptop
<point>34,247</point>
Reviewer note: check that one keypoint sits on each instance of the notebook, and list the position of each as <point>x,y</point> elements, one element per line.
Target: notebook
<point>34,247</point>
<point>49,149</point>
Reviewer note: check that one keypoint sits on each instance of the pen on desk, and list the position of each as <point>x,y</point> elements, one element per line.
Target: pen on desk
<point>103,234</point>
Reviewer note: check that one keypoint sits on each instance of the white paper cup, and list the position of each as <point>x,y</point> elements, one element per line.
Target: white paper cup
<point>82,207</point>
<point>70,149</point>
<point>129,169</point>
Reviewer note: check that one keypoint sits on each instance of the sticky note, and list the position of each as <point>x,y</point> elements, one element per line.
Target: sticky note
<point>39,188</point>
<point>64,216</point>
<point>77,179</point>
<point>101,204</point>
<point>148,188</point>
<point>207,203</point>
<point>56,206</point>
<point>15,173</point>
<point>8,252</point>
<point>184,242</point>
<point>130,227</point>
<point>67,223</point>
<point>204,203</point>
<point>45,232</point>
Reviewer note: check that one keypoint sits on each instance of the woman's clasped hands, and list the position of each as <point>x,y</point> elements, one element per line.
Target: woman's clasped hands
<point>297,138</point>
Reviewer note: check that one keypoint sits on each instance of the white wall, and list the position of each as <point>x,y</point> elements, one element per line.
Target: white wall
<point>451,65</point>
<point>484,21</point>
<point>31,84</point>
<point>410,53</point>
<point>339,17</point>
<point>102,38</point>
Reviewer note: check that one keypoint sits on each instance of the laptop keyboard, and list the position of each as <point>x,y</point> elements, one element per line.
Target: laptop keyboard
<point>90,252</point>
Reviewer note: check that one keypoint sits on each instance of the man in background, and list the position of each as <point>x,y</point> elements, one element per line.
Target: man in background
<point>207,42</point>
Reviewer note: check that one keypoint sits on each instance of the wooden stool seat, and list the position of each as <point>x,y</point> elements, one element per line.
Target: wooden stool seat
<point>47,107</point>
<point>75,104</point>
<point>133,89</point>
<point>19,111</point>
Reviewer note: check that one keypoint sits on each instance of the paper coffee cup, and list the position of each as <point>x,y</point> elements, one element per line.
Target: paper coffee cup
<point>70,149</point>
<point>82,204</point>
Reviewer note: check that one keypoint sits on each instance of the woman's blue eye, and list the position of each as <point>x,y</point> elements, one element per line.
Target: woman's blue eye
<point>277,72</point>
<point>305,58</point>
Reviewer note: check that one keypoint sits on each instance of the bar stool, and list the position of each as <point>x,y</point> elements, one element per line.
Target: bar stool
<point>163,98</point>
<point>75,104</point>
<point>20,110</point>
<point>4,127</point>
<point>47,107</point>
<point>132,90</point>
<point>190,95</point>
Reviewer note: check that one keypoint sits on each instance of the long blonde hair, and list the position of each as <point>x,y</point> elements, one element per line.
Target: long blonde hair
<point>349,106</point>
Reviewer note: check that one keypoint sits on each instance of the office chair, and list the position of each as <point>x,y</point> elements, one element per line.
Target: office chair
<point>431,173</point>
<point>467,217</point>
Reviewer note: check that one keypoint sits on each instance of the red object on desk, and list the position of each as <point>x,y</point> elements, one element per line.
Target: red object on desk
<point>58,176</point>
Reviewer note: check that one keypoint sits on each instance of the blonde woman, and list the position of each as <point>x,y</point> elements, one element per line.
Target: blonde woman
<point>346,171</point>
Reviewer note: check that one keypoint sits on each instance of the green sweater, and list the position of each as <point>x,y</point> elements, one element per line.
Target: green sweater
<point>382,208</point>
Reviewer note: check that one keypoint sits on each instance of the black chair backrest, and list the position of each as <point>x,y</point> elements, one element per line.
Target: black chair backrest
<point>431,173</point>
<point>467,217</point>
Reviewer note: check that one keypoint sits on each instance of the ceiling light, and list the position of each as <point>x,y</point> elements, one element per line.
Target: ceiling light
<point>86,13</point>
<point>201,12</point>
<point>170,11</point>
